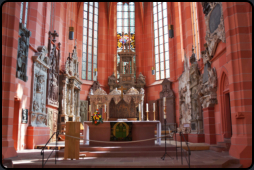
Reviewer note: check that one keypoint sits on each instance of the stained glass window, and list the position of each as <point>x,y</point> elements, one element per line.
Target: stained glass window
<point>125,28</point>
<point>161,46</point>
<point>23,9</point>
<point>195,31</point>
<point>90,40</point>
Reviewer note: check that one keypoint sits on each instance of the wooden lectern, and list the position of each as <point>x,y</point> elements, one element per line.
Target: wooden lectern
<point>72,144</point>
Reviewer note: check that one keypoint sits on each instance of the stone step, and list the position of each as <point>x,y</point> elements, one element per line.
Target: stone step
<point>227,140</point>
<point>223,144</point>
<point>119,148</point>
<point>126,153</point>
<point>218,148</point>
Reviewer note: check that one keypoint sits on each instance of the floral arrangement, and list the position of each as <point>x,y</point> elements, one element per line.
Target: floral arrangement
<point>96,118</point>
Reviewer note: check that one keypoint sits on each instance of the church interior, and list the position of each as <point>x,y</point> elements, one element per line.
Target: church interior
<point>119,82</point>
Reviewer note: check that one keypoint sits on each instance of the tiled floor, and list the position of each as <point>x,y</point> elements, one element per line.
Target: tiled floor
<point>201,159</point>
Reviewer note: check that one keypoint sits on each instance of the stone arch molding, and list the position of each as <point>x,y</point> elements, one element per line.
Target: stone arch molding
<point>215,30</point>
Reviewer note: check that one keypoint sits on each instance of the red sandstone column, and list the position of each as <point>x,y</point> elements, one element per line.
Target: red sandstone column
<point>209,125</point>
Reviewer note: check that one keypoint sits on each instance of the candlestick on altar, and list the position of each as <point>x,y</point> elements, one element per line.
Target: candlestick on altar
<point>89,113</point>
<point>147,116</point>
<point>139,111</point>
<point>154,115</point>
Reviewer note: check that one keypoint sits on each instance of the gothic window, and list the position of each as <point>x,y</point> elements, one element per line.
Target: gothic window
<point>195,31</point>
<point>126,26</point>
<point>161,46</point>
<point>90,40</point>
<point>23,13</point>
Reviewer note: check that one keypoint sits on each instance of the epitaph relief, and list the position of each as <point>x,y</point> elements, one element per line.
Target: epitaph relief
<point>23,46</point>
<point>52,116</point>
<point>215,30</point>
<point>196,114</point>
<point>69,87</point>
<point>40,67</point>
<point>170,102</point>
<point>184,95</point>
<point>83,110</point>
<point>53,71</point>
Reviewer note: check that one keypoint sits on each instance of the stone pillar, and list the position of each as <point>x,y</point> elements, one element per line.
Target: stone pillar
<point>209,125</point>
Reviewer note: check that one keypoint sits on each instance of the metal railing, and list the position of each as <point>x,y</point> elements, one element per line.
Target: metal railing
<point>189,152</point>
<point>56,149</point>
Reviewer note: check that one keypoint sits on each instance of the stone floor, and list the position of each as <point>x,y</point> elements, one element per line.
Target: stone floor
<point>199,159</point>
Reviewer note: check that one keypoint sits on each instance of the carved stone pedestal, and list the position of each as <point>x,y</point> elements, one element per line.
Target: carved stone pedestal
<point>196,138</point>
<point>209,125</point>
<point>178,138</point>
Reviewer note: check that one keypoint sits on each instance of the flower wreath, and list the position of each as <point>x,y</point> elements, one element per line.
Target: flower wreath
<point>96,118</point>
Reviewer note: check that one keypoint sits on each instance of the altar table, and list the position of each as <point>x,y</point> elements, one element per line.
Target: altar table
<point>140,130</point>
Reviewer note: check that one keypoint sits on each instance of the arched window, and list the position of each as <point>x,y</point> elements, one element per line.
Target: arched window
<point>23,13</point>
<point>126,25</point>
<point>161,46</point>
<point>90,40</point>
<point>195,31</point>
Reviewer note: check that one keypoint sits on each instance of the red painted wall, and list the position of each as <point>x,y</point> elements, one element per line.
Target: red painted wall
<point>232,59</point>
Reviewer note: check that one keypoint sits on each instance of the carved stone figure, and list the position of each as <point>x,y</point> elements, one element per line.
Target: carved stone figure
<point>39,87</point>
<point>53,73</point>
<point>215,30</point>
<point>22,52</point>
<point>127,68</point>
<point>70,86</point>
<point>206,8</point>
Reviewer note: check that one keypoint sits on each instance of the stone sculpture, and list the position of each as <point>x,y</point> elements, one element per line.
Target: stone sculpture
<point>215,30</point>
<point>53,73</point>
<point>38,114</point>
<point>69,87</point>
<point>23,46</point>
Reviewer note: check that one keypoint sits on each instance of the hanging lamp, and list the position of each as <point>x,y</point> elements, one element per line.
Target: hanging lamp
<point>71,30</point>
<point>170,27</point>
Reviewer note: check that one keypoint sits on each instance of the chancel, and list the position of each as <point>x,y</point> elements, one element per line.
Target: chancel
<point>127,84</point>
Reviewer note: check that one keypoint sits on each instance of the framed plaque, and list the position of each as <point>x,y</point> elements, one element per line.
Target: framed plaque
<point>24,116</point>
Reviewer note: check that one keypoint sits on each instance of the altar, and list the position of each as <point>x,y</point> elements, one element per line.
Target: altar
<point>141,130</point>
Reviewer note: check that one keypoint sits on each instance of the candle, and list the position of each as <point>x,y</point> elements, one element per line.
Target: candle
<point>139,107</point>
<point>164,116</point>
<point>89,108</point>
<point>147,107</point>
<point>164,101</point>
<point>105,107</point>
<point>154,107</point>
<point>97,106</point>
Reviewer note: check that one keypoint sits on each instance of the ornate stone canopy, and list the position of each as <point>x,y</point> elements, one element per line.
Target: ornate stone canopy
<point>100,97</point>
